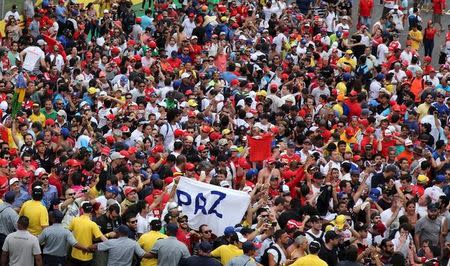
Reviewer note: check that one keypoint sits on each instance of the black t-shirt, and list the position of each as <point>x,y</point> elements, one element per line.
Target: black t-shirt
<point>200,260</point>
<point>106,224</point>
<point>329,256</point>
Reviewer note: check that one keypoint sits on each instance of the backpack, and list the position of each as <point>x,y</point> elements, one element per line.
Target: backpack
<point>318,239</point>
<point>265,257</point>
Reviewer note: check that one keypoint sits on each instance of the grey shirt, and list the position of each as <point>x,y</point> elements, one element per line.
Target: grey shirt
<point>241,261</point>
<point>429,229</point>
<point>56,240</point>
<point>121,250</point>
<point>170,251</point>
<point>8,219</point>
<point>22,247</point>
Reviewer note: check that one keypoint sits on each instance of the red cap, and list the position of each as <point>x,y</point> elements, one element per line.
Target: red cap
<point>152,44</point>
<point>73,163</point>
<point>137,57</point>
<point>234,82</point>
<point>128,190</point>
<point>115,50</point>
<point>215,136</point>
<point>201,148</point>
<point>191,15</point>
<point>39,142</point>
<point>206,129</point>
<point>110,117</point>
<point>132,150</point>
<point>189,167</point>
<point>271,160</point>
<point>106,150</point>
<point>158,149</point>
<point>138,20</point>
<point>22,173</point>
<point>291,224</point>
<point>188,92</point>
<point>125,153</point>
<point>125,129</point>
<point>349,131</point>
<point>179,133</point>
<point>191,114</point>
<point>4,162</point>
<point>353,93</point>
<point>49,122</point>
<point>356,158</point>
<point>168,180</point>
<point>110,139</point>
<point>244,164</point>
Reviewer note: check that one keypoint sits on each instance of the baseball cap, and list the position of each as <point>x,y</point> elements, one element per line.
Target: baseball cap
<point>339,222</point>
<point>423,179</point>
<point>314,247</point>
<point>86,206</point>
<point>241,238</point>
<point>433,206</point>
<point>13,180</point>
<point>115,155</point>
<point>205,246</point>
<point>248,246</point>
<point>112,189</point>
<point>123,229</point>
<point>228,230</point>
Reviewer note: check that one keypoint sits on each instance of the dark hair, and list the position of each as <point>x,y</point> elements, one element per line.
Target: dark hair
<point>277,235</point>
<point>23,221</point>
<point>114,208</point>
<point>351,253</point>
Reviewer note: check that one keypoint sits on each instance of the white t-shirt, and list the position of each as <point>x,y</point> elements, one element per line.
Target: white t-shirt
<point>275,254</point>
<point>32,56</point>
<point>382,51</point>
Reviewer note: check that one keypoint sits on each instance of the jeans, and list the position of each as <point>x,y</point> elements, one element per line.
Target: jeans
<point>365,21</point>
<point>50,260</point>
<point>428,46</point>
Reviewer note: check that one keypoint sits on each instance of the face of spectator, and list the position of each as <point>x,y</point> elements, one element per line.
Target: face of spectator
<point>132,223</point>
<point>206,232</point>
<point>389,248</point>
<point>132,196</point>
<point>433,214</point>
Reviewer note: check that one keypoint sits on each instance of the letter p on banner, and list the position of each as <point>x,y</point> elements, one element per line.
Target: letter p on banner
<point>215,206</point>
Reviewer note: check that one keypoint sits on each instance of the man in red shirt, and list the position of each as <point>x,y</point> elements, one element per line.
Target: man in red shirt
<point>438,7</point>
<point>290,155</point>
<point>365,12</point>
<point>386,142</point>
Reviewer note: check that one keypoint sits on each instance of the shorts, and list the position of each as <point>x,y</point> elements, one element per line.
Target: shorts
<point>437,18</point>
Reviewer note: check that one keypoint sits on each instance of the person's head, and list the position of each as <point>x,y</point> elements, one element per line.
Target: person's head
<point>131,221</point>
<point>249,248</point>
<point>171,229</point>
<point>57,216</point>
<point>332,238</point>
<point>155,225</point>
<point>37,193</point>
<point>314,247</point>
<point>351,253</point>
<point>433,211</point>
<point>204,248</point>
<point>281,237</point>
<point>122,231</point>
<point>114,212</point>
<point>23,222</point>
<point>387,246</point>
<point>302,242</point>
<point>316,223</point>
<point>205,231</point>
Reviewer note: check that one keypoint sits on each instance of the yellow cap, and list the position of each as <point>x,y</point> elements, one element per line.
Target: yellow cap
<point>192,103</point>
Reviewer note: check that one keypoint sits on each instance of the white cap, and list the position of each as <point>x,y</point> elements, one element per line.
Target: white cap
<point>115,155</point>
<point>408,142</point>
<point>100,41</point>
<point>241,238</point>
<point>185,75</point>
<point>13,180</point>
<point>247,189</point>
<point>225,184</point>
<point>184,104</point>
<point>41,42</point>
<point>39,171</point>
<point>285,189</point>
<point>62,113</point>
<point>103,94</point>
<point>395,7</point>
<point>249,115</point>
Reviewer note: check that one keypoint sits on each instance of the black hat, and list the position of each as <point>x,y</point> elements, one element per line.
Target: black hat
<point>314,247</point>
<point>248,246</point>
<point>37,191</point>
<point>86,206</point>
<point>205,246</point>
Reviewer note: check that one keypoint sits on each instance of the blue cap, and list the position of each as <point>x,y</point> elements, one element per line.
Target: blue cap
<point>374,194</point>
<point>440,178</point>
<point>346,76</point>
<point>172,228</point>
<point>10,196</point>
<point>251,173</point>
<point>140,155</point>
<point>112,189</point>
<point>303,41</point>
<point>205,246</point>
<point>155,176</point>
<point>65,132</point>
<point>229,230</point>
<point>123,79</point>
<point>380,76</point>
<point>123,229</point>
<point>248,246</point>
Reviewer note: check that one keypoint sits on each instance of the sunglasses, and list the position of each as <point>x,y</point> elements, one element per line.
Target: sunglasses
<point>207,232</point>
<point>71,194</point>
<point>27,161</point>
<point>133,222</point>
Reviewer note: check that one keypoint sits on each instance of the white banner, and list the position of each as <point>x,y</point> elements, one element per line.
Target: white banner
<point>215,206</point>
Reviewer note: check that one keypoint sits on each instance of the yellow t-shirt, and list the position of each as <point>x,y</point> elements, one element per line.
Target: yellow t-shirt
<point>38,118</point>
<point>308,260</point>
<point>84,230</point>
<point>347,64</point>
<point>147,241</point>
<point>37,214</point>
<point>416,39</point>
<point>226,253</point>
<point>341,88</point>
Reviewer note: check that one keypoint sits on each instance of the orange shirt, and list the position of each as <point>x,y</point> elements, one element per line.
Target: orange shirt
<point>407,155</point>
<point>417,85</point>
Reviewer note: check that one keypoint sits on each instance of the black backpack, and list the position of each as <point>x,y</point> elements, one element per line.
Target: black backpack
<point>265,256</point>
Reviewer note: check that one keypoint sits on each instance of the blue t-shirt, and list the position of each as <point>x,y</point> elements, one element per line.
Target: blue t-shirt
<point>60,16</point>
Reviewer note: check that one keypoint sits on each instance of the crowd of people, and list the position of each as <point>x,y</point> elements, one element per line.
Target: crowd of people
<point>104,110</point>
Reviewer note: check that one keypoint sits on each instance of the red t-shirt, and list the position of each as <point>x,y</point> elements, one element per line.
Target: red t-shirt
<point>429,33</point>
<point>288,159</point>
<point>365,8</point>
<point>386,144</point>
<point>437,6</point>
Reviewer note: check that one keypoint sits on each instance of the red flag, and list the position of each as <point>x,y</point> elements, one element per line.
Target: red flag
<point>260,147</point>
